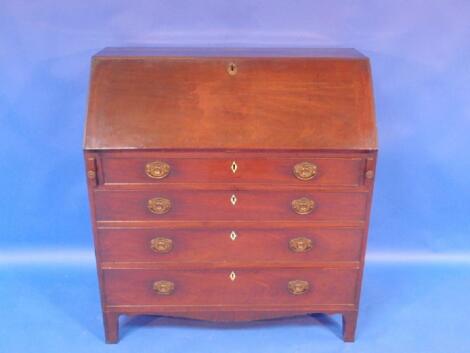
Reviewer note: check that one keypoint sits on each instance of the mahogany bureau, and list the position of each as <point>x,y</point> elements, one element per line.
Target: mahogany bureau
<point>230,184</point>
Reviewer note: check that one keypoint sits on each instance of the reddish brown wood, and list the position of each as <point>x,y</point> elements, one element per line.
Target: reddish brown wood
<point>182,107</point>
<point>216,205</point>
<point>369,182</point>
<point>111,326</point>
<point>257,168</point>
<point>307,101</point>
<point>214,287</point>
<point>254,224</point>
<point>349,325</point>
<point>208,246</point>
<point>110,319</point>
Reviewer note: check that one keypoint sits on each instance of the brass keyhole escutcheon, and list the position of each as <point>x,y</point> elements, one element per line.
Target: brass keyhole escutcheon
<point>232,69</point>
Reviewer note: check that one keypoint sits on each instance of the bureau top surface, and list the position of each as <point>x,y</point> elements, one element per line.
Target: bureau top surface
<point>235,98</point>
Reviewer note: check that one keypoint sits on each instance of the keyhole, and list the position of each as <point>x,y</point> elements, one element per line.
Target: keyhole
<point>232,69</point>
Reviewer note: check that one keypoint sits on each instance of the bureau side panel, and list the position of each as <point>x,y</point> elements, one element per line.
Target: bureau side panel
<point>93,178</point>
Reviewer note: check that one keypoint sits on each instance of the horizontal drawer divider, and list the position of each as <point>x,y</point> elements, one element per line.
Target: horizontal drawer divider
<point>201,153</point>
<point>182,266</point>
<point>228,223</point>
<point>324,308</point>
<point>227,187</point>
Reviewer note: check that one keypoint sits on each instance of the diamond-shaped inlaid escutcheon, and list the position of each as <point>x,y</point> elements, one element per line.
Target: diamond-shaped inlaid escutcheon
<point>233,199</point>
<point>234,167</point>
<point>233,235</point>
<point>232,276</point>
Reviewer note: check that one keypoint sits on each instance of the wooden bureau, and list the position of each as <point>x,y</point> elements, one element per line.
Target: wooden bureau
<point>230,184</point>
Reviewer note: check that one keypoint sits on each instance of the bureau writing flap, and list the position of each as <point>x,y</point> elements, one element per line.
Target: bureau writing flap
<point>295,99</point>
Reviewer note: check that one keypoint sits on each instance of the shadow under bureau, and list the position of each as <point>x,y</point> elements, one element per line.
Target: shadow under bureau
<point>230,184</point>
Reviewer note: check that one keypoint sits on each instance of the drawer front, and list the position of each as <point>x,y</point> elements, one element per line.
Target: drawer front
<point>298,171</point>
<point>229,205</point>
<point>229,245</point>
<point>230,287</point>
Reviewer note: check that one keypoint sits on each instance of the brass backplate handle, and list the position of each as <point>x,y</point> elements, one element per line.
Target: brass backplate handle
<point>157,169</point>
<point>163,287</point>
<point>161,245</point>
<point>159,205</point>
<point>300,244</point>
<point>303,205</point>
<point>297,287</point>
<point>305,170</point>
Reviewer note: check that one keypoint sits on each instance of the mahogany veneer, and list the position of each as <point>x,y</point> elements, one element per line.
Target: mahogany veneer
<point>248,245</point>
<point>199,288</point>
<point>230,184</point>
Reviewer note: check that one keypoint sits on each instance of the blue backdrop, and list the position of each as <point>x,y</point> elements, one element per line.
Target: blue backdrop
<point>420,56</point>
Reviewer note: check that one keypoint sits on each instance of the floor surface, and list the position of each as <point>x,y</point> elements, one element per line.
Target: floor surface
<point>404,308</point>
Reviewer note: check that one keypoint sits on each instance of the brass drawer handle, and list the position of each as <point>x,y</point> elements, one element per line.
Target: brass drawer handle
<point>157,169</point>
<point>161,245</point>
<point>303,205</point>
<point>297,287</point>
<point>164,287</point>
<point>300,244</point>
<point>305,170</point>
<point>159,205</point>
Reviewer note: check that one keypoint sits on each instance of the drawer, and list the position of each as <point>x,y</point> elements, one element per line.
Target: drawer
<point>230,287</point>
<point>170,204</point>
<point>236,245</point>
<point>307,170</point>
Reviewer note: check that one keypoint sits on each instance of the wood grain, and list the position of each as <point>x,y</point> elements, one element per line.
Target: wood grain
<point>212,246</point>
<point>216,205</point>
<point>252,168</point>
<point>271,103</point>
<point>214,287</point>
<point>183,107</point>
